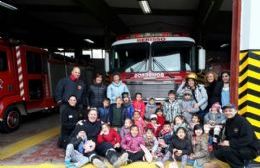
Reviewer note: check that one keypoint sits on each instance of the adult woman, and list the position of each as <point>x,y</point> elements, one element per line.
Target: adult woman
<point>198,91</point>
<point>116,88</point>
<point>222,89</point>
<point>96,92</point>
<point>210,85</point>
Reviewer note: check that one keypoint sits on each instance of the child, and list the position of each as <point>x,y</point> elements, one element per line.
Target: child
<point>151,143</point>
<point>131,144</point>
<point>214,118</point>
<point>180,147</point>
<point>195,119</point>
<point>139,105</point>
<point>179,121</point>
<point>150,108</point>
<point>117,114</point>
<point>165,137</point>
<point>126,128</point>
<point>81,151</point>
<point>214,121</point>
<point>108,144</point>
<point>187,105</point>
<point>200,147</point>
<point>103,112</point>
<point>156,128</point>
<point>171,107</point>
<point>127,105</point>
<point>139,122</point>
<point>160,117</point>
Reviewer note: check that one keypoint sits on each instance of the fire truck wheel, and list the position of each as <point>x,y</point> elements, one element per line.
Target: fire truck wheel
<point>12,119</point>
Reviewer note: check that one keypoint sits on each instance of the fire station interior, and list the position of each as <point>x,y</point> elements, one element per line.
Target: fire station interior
<point>70,27</point>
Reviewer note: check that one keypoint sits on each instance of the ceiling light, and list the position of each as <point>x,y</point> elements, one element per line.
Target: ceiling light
<point>145,6</point>
<point>89,41</point>
<point>8,6</point>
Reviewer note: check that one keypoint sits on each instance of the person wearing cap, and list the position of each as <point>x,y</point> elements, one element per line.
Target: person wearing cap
<point>187,105</point>
<point>240,143</point>
<point>116,88</point>
<point>198,91</point>
<point>153,125</point>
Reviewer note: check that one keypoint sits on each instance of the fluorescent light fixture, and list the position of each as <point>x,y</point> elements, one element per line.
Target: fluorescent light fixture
<point>60,49</point>
<point>89,41</point>
<point>145,6</point>
<point>224,45</point>
<point>8,6</point>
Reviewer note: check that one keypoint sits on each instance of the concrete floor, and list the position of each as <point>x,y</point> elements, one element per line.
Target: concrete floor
<point>31,125</point>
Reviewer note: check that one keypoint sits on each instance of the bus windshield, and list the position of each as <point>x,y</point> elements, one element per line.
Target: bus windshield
<point>163,56</point>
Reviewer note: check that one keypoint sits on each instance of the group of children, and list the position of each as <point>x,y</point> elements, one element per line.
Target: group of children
<point>132,131</point>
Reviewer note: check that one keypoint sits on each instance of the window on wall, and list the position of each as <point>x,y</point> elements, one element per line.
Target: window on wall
<point>3,61</point>
<point>34,62</point>
<point>94,53</point>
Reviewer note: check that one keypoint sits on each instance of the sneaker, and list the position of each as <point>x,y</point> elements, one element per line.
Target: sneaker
<point>147,154</point>
<point>159,164</point>
<point>69,164</point>
<point>121,160</point>
<point>98,163</point>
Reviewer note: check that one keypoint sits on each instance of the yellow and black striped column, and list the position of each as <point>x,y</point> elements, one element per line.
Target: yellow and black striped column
<point>249,88</point>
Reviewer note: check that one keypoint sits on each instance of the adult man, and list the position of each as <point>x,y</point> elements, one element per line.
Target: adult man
<point>68,86</point>
<point>240,142</point>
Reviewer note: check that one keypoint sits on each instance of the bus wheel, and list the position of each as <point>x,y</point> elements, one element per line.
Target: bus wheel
<point>12,119</point>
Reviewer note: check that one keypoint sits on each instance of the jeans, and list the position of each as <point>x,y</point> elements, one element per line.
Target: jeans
<point>75,156</point>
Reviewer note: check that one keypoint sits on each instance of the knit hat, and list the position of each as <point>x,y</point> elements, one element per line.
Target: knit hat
<point>217,106</point>
<point>153,116</point>
<point>187,91</point>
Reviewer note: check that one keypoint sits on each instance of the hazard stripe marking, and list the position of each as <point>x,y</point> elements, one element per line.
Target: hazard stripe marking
<point>249,89</point>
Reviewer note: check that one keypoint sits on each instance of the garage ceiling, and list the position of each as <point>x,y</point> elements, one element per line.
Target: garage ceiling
<point>65,23</point>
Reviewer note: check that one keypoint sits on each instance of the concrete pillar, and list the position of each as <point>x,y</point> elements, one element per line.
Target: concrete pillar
<point>245,66</point>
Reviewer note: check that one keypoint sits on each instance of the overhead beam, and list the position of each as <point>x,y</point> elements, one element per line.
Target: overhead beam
<point>102,12</point>
<point>207,11</point>
<point>164,12</point>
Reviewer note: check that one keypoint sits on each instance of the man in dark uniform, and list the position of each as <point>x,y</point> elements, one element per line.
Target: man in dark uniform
<point>240,143</point>
<point>68,86</point>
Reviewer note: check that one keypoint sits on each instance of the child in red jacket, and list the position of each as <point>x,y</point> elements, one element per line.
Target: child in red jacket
<point>108,141</point>
<point>139,105</point>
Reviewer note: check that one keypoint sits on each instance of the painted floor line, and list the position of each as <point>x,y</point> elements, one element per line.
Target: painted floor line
<point>27,143</point>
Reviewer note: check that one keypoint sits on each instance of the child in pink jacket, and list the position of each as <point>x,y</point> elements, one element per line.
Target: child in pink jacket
<point>131,144</point>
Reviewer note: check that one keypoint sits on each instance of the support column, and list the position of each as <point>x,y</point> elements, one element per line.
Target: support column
<point>248,72</point>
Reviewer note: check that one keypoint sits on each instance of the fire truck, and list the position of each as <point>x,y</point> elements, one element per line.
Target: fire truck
<point>154,63</point>
<point>28,77</point>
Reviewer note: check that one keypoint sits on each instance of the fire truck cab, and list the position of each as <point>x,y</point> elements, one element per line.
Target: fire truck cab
<point>154,63</point>
<point>24,83</point>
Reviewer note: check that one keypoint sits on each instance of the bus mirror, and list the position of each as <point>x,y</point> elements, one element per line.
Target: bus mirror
<point>202,58</point>
<point>107,61</point>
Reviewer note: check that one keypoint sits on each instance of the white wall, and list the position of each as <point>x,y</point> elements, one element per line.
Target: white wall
<point>250,25</point>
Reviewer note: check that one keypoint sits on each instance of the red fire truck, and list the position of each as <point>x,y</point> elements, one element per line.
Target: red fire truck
<point>27,82</point>
<point>154,63</point>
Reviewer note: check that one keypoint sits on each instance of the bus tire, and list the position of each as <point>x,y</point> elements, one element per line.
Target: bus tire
<point>11,120</point>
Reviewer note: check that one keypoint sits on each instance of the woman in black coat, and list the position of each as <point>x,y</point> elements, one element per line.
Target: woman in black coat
<point>210,86</point>
<point>96,92</point>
